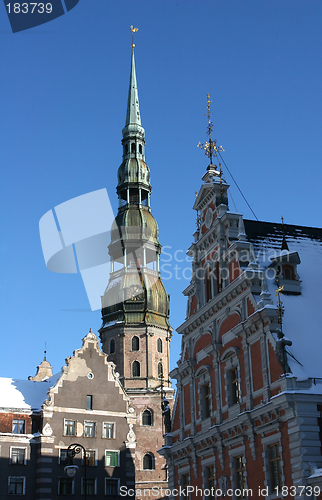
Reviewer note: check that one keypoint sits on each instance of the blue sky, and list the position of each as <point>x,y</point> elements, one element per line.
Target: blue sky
<point>62,108</point>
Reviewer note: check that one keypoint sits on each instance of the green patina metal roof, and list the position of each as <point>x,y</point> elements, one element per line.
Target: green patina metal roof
<point>133,170</point>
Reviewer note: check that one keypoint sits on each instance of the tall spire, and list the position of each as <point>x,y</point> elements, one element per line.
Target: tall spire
<point>133,109</point>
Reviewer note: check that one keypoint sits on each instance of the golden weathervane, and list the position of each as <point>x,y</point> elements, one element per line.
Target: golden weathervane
<point>134,30</point>
<point>210,147</point>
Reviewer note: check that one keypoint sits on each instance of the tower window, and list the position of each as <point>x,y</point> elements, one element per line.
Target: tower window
<point>135,343</point>
<point>136,369</point>
<point>126,148</point>
<point>159,345</point>
<point>133,148</point>
<point>112,346</point>
<point>147,417</point>
<point>160,369</point>
<point>148,462</point>
<point>140,148</point>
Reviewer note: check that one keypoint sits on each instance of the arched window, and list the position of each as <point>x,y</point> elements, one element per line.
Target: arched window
<point>135,343</point>
<point>208,285</point>
<point>287,273</point>
<point>147,417</point>
<point>159,345</point>
<point>112,346</point>
<point>133,148</point>
<point>148,462</point>
<point>160,369</point>
<point>136,369</point>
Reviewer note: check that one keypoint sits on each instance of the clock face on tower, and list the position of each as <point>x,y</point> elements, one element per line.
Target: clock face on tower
<point>134,292</point>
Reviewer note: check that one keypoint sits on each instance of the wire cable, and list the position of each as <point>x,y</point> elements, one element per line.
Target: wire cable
<point>231,175</point>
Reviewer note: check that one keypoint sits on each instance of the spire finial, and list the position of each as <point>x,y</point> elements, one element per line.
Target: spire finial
<point>45,351</point>
<point>210,147</point>
<point>284,242</point>
<point>134,30</point>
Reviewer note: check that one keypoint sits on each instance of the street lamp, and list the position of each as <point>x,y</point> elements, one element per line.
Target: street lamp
<point>72,451</point>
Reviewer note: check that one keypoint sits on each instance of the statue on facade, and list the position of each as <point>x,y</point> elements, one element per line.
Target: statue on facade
<point>281,354</point>
<point>166,413</point>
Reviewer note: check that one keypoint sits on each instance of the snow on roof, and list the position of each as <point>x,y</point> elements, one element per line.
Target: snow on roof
<point>302,321</point>
<point>24,394</point>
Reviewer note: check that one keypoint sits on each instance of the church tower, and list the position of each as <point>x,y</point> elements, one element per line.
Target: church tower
<point>135,331</point>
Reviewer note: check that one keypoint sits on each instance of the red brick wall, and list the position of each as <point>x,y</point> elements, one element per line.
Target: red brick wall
<point>187,404</point>
<point>255,350</point>
<point>234,270</point>
<point>275,367</point>
<point>6,421</point>
<point>228,324</point>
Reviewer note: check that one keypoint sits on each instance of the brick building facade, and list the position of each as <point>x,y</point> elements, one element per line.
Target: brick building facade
<point>247,412</point>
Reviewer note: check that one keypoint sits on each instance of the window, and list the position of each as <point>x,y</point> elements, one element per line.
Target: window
<point>18,426</point>
<point>90,486</point>
<point>140,148</point>
<point>133,148</point>
<point>240,475</point>
<point>89,402</point>
<point>65,486</point>
<point>16,485</point>
<point>185,482</point>
<point>135,343</point>
<point>108,430</point>
<point>111,487</point>
<point>64,459</point>
<point>112,346</point>
<point>210,477</point>
<point>136,369</point>
<point>18,456</point>
<point>159,345</point>
<point>275,466</point>
<point>111,458</point>
<point>89,429</point>
<point>147,417</point>
<point>206,401</point>
<point>90,458</point>
<point>70,428</point>
<point>208,285</point>
<point>234,383</point>
<point>148,462</point>
<point>160,369</point>
<point>287,273</point>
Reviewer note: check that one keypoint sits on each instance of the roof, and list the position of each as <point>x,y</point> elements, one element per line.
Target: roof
<point>303,313</point>
<point>25,395</point>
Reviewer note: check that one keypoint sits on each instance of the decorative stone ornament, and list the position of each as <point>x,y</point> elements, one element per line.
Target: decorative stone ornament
<point>47,430</point>
<point>131,437</point>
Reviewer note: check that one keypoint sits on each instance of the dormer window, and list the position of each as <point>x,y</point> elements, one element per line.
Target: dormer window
<point>285,269</point>
<point>288,272</point>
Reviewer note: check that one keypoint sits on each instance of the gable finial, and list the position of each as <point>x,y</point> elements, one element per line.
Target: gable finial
<point>134,30</point>
<point>210,147</point>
